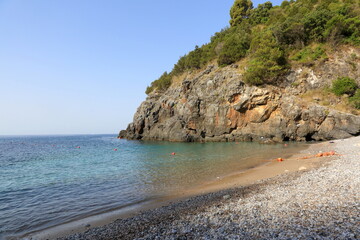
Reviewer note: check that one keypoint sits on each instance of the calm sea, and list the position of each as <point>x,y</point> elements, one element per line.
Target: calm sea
<point>49,180</point>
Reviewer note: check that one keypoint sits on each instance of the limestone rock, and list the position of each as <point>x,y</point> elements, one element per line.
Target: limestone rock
<point>216,105</point>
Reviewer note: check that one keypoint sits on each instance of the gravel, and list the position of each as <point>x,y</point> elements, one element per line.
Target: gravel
<point>320,203</point>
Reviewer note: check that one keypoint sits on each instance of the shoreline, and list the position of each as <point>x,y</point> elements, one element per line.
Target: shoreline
<point>317,203</point>
<point>239,179</point>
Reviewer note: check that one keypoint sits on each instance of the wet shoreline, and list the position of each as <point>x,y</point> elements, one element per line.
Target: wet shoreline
<point>320,202</point>
<point>266,170</point>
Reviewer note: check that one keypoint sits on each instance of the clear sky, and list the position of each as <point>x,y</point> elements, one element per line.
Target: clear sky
<point>82,66</point>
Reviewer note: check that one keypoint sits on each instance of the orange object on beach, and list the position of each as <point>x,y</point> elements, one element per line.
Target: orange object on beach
<point>280,159</point>
<point>324,154</point>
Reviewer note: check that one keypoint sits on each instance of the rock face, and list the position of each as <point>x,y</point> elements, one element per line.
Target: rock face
<point>216,105</point>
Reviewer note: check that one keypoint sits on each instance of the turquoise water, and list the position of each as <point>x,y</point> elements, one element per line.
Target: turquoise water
<point>49,180</point>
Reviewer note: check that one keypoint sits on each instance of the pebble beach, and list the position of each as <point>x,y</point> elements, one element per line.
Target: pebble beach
<point>322,202</point>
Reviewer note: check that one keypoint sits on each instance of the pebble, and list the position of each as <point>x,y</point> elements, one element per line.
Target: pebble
<point>226,197</point>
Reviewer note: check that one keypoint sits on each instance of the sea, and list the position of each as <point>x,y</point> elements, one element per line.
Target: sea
<point>46,181</point>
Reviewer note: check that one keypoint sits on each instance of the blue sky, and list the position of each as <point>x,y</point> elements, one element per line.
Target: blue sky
<point>81,67</point>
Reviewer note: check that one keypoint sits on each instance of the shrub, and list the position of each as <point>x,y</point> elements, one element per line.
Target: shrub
<point>290,32</point>
<point>255,73</point>
<point>233,49</point>
<point>149,89</point>
<point>352,31</point>
<point>309,54</point>
<point>180,66</point>
<point>260,14</point>
<point>240,11</point>
<point>161,84</point>
<point>355,100</point>
<point>315,22</point>
<point>344,85</point>
<point>267,59</point>
<point>193,59</point>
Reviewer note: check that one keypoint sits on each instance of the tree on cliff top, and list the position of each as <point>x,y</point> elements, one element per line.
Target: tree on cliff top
<point>273,37</point>
<point>239,11</point>
<point>267,59</point>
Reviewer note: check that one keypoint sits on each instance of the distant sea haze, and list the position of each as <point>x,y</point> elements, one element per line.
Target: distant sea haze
<point>49,180</point>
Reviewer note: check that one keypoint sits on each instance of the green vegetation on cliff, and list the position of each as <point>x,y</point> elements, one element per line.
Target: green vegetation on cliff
<point>355,100</point>
<point>348,86</point>
<point>161,84</point>
<point>268,35</point>
<point>344,85</point>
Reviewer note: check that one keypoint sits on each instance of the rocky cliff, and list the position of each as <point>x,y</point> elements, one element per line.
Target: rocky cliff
<point>216,105</point>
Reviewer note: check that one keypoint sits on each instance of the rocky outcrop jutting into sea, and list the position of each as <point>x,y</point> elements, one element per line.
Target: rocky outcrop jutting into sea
<point>216,105</point>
